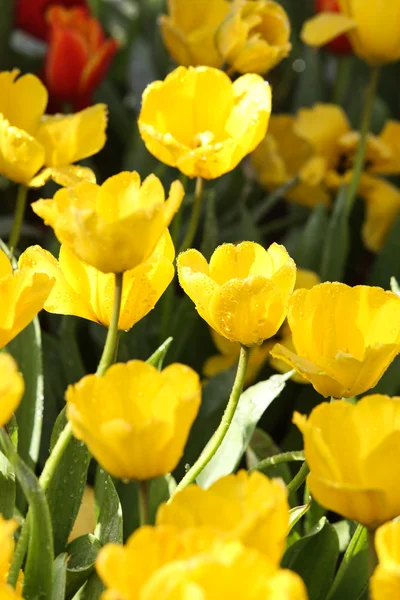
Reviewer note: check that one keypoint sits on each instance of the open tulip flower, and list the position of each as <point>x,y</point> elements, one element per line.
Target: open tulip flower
<point>84,291</point>
<point>345,338</point>
<point>189,31</point>
<point>179,128</point>
<point>23,294</point>
<point>31,140</point>
<point>352,474</point>
<point>142,433</point>
<point>163,563</point>
<point>246,506</point>
<point>113,227</point>
<point>243,293</point>
<point>385,582</point>
<point>373,29</point>
<point>31,14</point>
<point>255,35</point>
<point>78,56</point>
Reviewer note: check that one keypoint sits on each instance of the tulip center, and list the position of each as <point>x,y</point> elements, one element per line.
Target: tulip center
<point>204,138</point>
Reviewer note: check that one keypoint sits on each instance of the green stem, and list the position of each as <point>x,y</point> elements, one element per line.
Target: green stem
<point>195,216</point>
<point>364,130</point>
<point>278,459</point>
<point>223,427</point>
<point>299,479</point>
<point>356,541</point>
<point>22,195</point>
<point>372,556</point>
<point>343,74</point>
<point>143,501</point>
<point>107,358</point>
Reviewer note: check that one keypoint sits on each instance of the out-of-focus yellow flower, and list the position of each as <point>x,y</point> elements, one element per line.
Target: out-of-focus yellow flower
<point>255,35</point>
<point>243,293</point>
<point>345,338</point>
<point>178,127</point>
<point>83,291</point>
<point>229,355</point>
<point>382,202</point>
<point>189,31</point>
<point>85,521</point>
<point>163,563</point>
<point>31,140</point>
<point>385,582</point>
<point>247,506</point>
<point>115,226</point>
<point>352,473</point>
<point>11,388</point>
<point>23,294</point>
<point>373,29</point>
<point>7,529</point>
<point>134,419</point>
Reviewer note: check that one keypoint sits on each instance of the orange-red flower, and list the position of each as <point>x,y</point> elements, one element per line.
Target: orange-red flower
<point>30,15</point>
<point>78,55</point>
<point>340,45</point>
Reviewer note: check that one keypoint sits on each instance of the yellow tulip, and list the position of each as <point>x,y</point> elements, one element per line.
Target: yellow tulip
<point>31,140</point>
<point>353,452</point>
<point>8,593</point>
<point>372,27</point>
<point>162,563</point>
<point>345,338</point>
<point>11,388</point>
<point>180,129</point>
<point>134,419</point>
<point>255,35</point>
<point>189,31</point>
<point>247,506</point>
<point>83,291</point>
<point>7,529</point>
<point>23,294</point>
<point>385,582</point>
<point>229,355</point>
<point>113,227</point>
<point>244,292</point>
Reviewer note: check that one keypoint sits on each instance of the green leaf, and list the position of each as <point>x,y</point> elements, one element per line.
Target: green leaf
<point>92,589</point>
<point>39,568</point>
<point>26,348</point>
<point>351,580</point>
<point>262,446</point>
<point>308,251</point>
<point>7,487</point>
<point>108,508</point>
<point>159,492</point>
<point>252,404</point>
<point>336,247</point>
<point>66,488</point>
<point>157,358</point>
<point>296,513</point>
<point>60,577</point>
<point>82,553</point>
<point>314,558</point>
<point>394,286</point>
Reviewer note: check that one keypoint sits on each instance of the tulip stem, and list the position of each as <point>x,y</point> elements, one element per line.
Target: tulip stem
<point>111,346</point>
<point>143,502</point>
<point>299,479</point>
<point>356,543</point>
<point>372,556</point>
<point>278,459</point>
<point>223,427</point>
<point>364,130</point>
<point>195,216</point>
<point>22,195</point>
<point>107,358</point>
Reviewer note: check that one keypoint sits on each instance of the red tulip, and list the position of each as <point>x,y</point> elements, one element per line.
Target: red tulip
<point>341,45</point>
<point>78,56</point>
<point>31,14</point>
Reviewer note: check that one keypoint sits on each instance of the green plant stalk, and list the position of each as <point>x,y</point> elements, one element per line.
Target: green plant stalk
<point>107,358</point>
<point>364,130</point>
<point>143,502</point>
<point>372,557</point>
<point>348,555</point>
<point>343,77</point>
<point>195,216</point>
<point>20,207</point>
<point>299,479</point>
<point>278,459</point>
<point>223,427</point>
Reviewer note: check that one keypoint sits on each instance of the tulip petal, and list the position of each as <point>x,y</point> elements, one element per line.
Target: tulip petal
<point>325,27</point>
<point>193,273</point>
<point>22,101</point>
<point>11,388</point>
<point>97,66</point>
<point>21,155</point>
<point>5,265</point>
<point>67,176</point>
